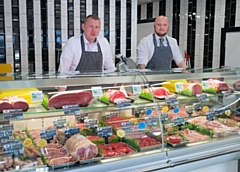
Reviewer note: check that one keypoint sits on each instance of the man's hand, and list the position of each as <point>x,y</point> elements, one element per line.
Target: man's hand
<point>141,66</point>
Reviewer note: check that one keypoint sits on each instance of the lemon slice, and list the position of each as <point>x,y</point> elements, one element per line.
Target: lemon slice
<point>120,133</point>
<point>165,109</point>
<point>27,142</point>
<point>41,143</point>
<point>205,108</point>
<point>228,112</point>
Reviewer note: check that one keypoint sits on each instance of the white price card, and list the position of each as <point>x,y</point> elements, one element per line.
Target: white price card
<point>205,85</point>
<point>178,86</point>
<point>36,96</point>
<point>137,89</point>
<point>97,91</point>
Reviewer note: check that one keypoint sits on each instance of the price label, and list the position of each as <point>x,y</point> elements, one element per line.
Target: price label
<point>3,122</point>
<point>36,96</point>
<point>4,134</point>
<point>164,117</point>
<point>197,106</point>
<point>59,123</point>
<point>128,126</point>
<point>202,97</point>
<point>179,120</point>
<point>14,147</point>
<point>82,116</point>
<point>189,109</point>
<point>227,93</point>
<point>71,109</point>
<point>104,131</point>
<point>172,101</point>
<point>178,86</point>
<point>72,131</point>
<point>110,114</point>
<point>205,85</point>
<point>48,134</point>
<point>210,116</point>
<point>97,91</point>
<point>137,89</point>
<point>151,120</point>
<point>90,123</point>
<point>13,114</point>
<point>122,104</point>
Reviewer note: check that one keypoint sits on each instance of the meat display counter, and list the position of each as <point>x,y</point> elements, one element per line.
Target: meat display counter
<point>122,121</point>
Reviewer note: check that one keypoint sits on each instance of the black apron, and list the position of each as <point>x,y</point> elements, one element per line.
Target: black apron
<point>90,61</point>
<point>162,56</point>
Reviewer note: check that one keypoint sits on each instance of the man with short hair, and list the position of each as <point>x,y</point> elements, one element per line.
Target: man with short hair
<point>157,50</point>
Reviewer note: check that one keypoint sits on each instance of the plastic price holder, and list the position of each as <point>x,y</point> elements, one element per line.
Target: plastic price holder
<point>127,126</point>
<point>70,131</point>
<point>13,114</point>
<point>210,116</point>
<point>202,97</point>
<point>90,123</point>
<point>151,120</point>
<point>189,110</point>
<point>81,116</point>
<point>48,134</point>
<point>105,132</point>
<point>172,101</point>
<point>71,109</point>
<point>59,123</point>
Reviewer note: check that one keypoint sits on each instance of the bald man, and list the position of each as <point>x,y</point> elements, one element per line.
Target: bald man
<point>157,50</point>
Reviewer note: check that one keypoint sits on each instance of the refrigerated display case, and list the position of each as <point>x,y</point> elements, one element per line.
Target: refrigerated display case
<point>187,130</point>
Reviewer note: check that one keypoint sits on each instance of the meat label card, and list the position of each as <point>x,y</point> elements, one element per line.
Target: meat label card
<point>71,109</point>
<point>111,114</point>
<point>178,120</point>
<point>97,91</point>
<point>13,114</point>
<point>202,97</point>
<point>137,89</point>
<point>172,101</point>
<point>104,131</point>
<point>81,116</point>
<point>72,131</point>
<point>128,126</point>
<point>197,106</point>
<point>48,134</point>
<point>59,123</point>
<point>164,116</point>
<point>122,104</point>
<point>90,123</point>
<point>14,147</point>
<point>210,116</point>
<point>189,109</point>
<point>36,96</point>
<point>151,120</point>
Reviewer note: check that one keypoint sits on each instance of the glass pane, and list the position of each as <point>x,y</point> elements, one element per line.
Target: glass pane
<point>1,27</point>
<point>2,41</point>
<point>2,54</point>
<point>16,42</point>
<point>1,13</point>
<point>16,55</point>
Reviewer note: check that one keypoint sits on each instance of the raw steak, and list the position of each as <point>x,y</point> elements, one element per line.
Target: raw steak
<point>17,103</point>
<point>192,88</point>
<point>115,95</point>
<point>219,85</point>
<point>5,104</point>
<point>158,92</point>
<point>60,160</point>
<point>174,139</point>
<point>82,98</point>
<point>81,148</point>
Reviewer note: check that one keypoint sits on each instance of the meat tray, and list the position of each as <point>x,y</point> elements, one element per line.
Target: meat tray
<point>63,165</point>
<point>93,160</point>
<point>183,143</point>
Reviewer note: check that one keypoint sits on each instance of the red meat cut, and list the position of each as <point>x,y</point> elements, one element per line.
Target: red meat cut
<point>13,102</point>
<point>115,95</point>
<point>158,92</point>
<point>174,139</point>
<point>194,87</point>
<point>82,98</point>
<point>219,85</point>
<point>5,104</point>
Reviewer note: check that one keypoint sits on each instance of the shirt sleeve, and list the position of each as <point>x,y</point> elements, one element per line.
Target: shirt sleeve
<point>108,63</point>
<point>177,55</point>
<point>144,51</point>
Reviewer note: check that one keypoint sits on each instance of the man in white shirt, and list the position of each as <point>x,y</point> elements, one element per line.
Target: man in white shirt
<point>157,50</point>
<point>87,52</point>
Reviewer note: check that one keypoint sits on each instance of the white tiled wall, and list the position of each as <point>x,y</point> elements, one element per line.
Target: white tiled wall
<point>51,35</point>
<point>112,22</point>
<point>169,12</point>
<point>123,27</point>
<point>76,13</point>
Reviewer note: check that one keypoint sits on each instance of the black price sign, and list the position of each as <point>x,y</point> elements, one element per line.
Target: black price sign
<point>110,114</point>
<point>122,104</point>
<point>49,134</point>
<point>164,116</point>
<point>178,120</point>
<point>59,123</point>
<point>10,146</point>
<point>210,116</point>
<point>82,116</point>
<point>4,122</point>
<point>90,123</point>
<point>72,131</point>
<point>197,106</point>
<point>189,109</point>
<point>172,101</point>
<point>151,120</point>
<point>128,126</point>
<point>13,114</point>
<point>8,128</point>
<point>202,97</point>
<point>104,131</point>
<point>4,134</point>
<point>71,109</point>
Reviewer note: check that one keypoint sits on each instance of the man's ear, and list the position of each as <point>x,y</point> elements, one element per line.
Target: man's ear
<point>83,26</point>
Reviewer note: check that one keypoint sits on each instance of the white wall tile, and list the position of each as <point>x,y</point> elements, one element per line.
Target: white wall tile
<point>7,6</point>
<point>50,8</point>
<point>88,8</point>
<point>77,24</point>
<point>144,11</point>
<point>155,9</point>
<point>37,7</point>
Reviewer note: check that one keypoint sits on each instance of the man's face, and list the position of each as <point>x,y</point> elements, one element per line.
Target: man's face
<point>91,29</point>
<point>161,26</point>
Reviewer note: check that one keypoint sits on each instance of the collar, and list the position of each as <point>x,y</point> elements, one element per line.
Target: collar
<point>87,42</point>
<point>157,37</point>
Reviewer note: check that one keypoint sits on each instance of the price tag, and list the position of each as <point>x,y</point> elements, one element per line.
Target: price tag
<point>36,96</point>
<point>4,134</point>
<point>82,116</point>
<point>3,122</point>
<point>48,134</point>
<point>104,131</point>
<point>210,116</point>
<point>227,93</point>
<point>14,147</point>
<point>205,85</point>
<point>151,120</point>
<point>202,97</point>
<point>197,106</point>
<point>122,104</point>
<point>189,109</point>
<point>128,126</point>
<point>72,131</point>
<point>13,114</point>
<point>137,89</point>
<point>71,109</point>
<point>90,123</point>
<point>110,114</point>
<point>59,123</point>
<point>172,101</point>
<point>97,91</point>
<point>164,116</point>
<point>178,86</point>
<point>178,120</point>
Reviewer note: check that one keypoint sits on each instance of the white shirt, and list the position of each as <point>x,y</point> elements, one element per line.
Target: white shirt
<point>145,49</point>
<point>72,53</point>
